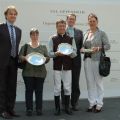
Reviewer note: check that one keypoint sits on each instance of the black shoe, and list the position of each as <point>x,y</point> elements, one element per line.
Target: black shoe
<point>6,115</point>
<point>39,112</point>
<point>13,114</point>
<point>98,110</point>
<point>91,109</point>
<point>68,111</point>
<point>29,112</point>
<point>57,112</point>
<point>75,108</point>
<point>63,107</point>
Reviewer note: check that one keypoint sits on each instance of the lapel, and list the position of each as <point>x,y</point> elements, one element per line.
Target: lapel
<point>85,35</point>
<point>7,33</point>
<point>16,32</point>
<point>75,34</point>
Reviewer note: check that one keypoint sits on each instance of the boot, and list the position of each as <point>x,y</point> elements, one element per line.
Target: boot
<point>67,106</point>
<point>57,105</point>
<point>62,97</point>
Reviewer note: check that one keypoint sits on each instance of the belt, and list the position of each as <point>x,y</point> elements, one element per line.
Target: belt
<point>87,55</point>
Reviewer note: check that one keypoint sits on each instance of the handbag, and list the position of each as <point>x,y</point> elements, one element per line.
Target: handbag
<point>104,64</point>
<point>21,64</point>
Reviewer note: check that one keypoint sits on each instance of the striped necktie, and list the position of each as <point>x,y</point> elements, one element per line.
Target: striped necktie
<point>13,42</point>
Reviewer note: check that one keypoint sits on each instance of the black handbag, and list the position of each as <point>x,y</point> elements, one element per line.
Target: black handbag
<point>21,64</point>
<point>105,63</point>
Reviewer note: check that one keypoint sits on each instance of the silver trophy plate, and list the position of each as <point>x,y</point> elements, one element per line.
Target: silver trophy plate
<point>36,59</point>
<point>65,48</point>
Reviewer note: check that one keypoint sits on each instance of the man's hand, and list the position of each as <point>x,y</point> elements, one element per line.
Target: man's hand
<point>59,54</point>
<point>82,50</point>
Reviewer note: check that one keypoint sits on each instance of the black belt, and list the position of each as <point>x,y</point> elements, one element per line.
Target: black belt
<point>87,55</point>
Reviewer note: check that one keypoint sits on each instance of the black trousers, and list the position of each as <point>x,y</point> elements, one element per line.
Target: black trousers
<point>33,84</point>
<point>8,83</point>
<point>76,68</point>
<point>75,93</point>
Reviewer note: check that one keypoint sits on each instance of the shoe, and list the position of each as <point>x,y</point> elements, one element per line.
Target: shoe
<point>91,109</point>
<point>68,111</point>
<point>6,115</point>
<point>98,109</point>
<point>57,112</point>
<point>39,112</point>
<point>13,114</point>
<point>75,108</point>
<point>29,112</point>
<point>63,107</point>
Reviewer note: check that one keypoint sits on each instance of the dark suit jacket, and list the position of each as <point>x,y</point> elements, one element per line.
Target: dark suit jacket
<point>5,44</point>
<point>78,36</point>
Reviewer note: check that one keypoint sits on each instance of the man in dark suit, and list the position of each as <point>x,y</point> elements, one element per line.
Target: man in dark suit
<point>10,37</point>
<point>77,36</point>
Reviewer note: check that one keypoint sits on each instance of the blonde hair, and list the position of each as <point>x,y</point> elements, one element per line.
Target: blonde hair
<point>11,7</point>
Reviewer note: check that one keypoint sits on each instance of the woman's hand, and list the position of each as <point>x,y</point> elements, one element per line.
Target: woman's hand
<point>47,59</point>
<point>95,49</point>
<point>23,58</point>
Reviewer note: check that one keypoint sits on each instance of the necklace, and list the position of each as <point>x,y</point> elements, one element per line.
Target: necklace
<point>34,45</point>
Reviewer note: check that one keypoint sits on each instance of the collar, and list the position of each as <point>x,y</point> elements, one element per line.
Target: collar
<point>8,23</point>
<point>70,28</point>
<point>96,30</point>
<point>61,35</point>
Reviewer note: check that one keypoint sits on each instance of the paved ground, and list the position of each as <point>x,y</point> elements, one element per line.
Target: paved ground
<point>111,111</point>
